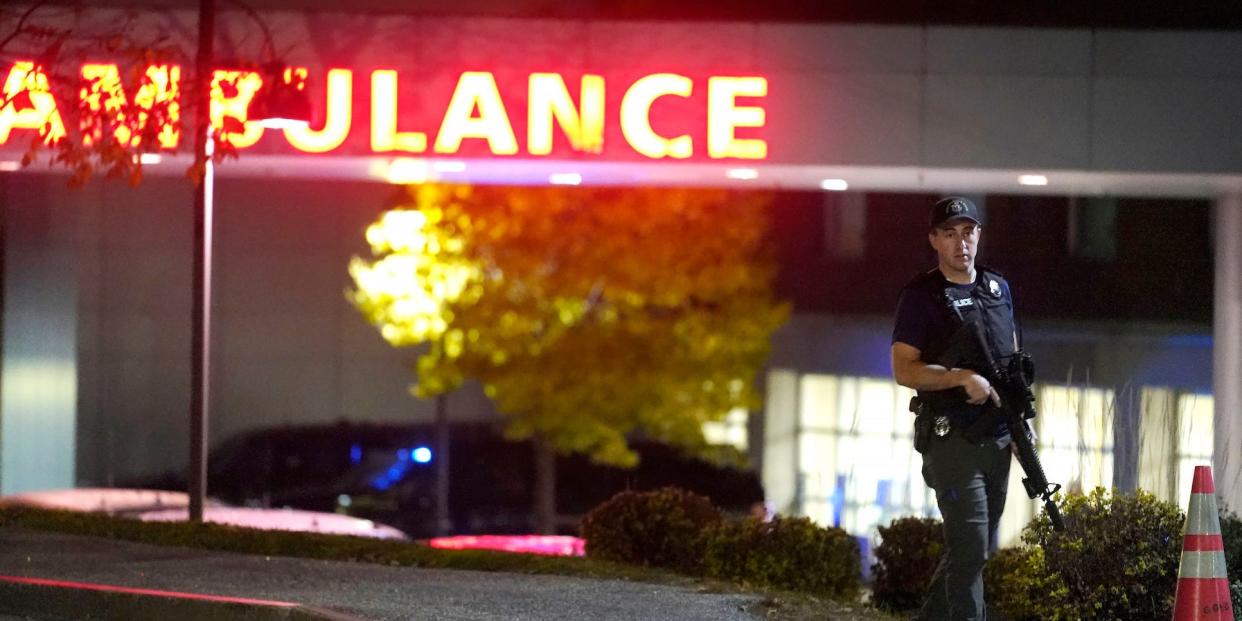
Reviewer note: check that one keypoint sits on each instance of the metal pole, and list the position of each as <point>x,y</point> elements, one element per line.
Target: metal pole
<point>200,312</point>
<point>544,486</point>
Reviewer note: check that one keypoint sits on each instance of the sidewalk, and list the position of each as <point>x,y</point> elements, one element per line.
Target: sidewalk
<point>314,590</point>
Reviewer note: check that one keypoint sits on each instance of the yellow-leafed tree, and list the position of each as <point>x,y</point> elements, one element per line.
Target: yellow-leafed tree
<point>586,314</point>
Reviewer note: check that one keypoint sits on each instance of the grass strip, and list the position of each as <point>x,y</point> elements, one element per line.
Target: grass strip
<point>224,538</point>
<point>776,605</point>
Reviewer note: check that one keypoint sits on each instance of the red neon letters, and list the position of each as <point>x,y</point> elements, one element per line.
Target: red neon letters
<point>475,111</point>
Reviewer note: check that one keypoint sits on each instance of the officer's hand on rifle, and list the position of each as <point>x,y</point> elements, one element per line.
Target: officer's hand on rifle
<point>979,390</point>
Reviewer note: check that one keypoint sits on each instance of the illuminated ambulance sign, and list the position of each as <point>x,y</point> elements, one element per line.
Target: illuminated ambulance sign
<point>479,113</point>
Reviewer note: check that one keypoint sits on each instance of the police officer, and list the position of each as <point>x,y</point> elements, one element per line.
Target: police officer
<point>967,467</point>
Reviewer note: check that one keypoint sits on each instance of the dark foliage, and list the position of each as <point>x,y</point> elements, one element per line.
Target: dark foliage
<point>909,550</point>
<point>663,528</point>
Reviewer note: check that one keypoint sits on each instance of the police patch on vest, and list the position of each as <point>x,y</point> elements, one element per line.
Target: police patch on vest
<point>994,287</point>
<point>963,302</point>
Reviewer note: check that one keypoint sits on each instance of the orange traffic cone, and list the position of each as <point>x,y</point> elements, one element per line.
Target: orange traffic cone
<point>1202,584</point>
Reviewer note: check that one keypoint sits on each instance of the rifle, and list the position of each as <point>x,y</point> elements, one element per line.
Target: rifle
<point>1013,385</point>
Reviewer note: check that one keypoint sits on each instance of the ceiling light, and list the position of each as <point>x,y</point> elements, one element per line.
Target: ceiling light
<point>835,185</point>
<point>407,170</point>
<point>1033,180</point>
<point>448,166</point>
<point>150,159</point>
<point>743,174</point>
<point>565,178</point>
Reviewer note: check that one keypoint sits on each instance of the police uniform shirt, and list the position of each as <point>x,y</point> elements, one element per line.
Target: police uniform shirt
<point>926,321</point>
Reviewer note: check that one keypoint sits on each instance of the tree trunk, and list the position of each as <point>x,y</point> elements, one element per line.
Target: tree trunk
<point>545,488</point>
<point>441,456</point>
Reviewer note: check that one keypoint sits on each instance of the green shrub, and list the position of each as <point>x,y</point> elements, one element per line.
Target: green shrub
<point>1117,559</point>
<point>787,553</point>
<point>909,550</point>
<point>1231,533</point>
<point>1016,584</point>
<point>662,528</point>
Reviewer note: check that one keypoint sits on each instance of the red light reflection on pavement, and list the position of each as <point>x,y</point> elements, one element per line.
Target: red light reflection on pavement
<point>548,545</point>
<point>87,586</point>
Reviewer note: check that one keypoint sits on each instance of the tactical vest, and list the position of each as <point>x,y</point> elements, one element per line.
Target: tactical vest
<point>985,302</point>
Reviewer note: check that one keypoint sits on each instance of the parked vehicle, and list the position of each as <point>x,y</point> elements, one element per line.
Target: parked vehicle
<point>386,473</point>
<point>153,505</point>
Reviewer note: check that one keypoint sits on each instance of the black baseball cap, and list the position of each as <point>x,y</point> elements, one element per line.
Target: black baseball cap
<point>954,207</point>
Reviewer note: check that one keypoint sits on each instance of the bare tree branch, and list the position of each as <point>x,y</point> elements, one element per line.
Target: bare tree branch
<point>20,27</point>
<point>107,126</point>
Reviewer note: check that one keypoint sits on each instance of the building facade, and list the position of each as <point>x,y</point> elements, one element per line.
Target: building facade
<point>1062,135</point>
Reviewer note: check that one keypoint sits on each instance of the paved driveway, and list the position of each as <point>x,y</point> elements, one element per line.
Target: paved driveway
<point>367,591</point>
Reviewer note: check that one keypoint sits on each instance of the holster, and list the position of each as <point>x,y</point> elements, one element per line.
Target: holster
<point>924,424</point>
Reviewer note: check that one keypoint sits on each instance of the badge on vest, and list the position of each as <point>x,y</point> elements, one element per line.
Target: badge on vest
<point>994,287</point>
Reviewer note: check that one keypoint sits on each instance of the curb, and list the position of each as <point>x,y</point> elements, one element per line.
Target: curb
<point>73,600</point>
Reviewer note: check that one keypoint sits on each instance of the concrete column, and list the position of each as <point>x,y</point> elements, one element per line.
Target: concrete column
<point>1227,351</point>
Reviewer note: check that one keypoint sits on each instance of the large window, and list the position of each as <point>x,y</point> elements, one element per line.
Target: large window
<point>1075,427</point>
<point>1158,442</point>
<point>1176,435</point>
<point>1195,437</point>
<point>1075,444</point>
<point>840,450</point>
<point>857,466</point>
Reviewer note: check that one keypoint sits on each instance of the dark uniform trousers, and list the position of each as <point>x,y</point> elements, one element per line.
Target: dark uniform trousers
<point>971,481</point>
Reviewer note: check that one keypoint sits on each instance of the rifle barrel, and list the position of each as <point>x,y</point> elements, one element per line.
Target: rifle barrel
<point>1036,482</point>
